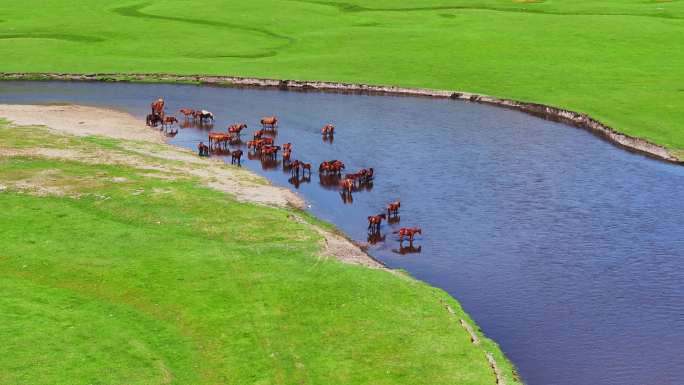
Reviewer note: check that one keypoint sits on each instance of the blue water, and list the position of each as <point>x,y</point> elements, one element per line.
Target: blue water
<point>565,249</point>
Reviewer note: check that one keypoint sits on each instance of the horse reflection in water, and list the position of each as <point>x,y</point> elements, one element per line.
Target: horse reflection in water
<point>328,138</point>
<point>347,199</point>
<point>296,181</point>
<point>393,220</point>
<point>376,237</point>
<point>329,181</point>
<point>403,250</point>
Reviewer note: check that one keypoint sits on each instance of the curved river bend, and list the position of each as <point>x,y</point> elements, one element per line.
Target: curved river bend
<point>565,249</point>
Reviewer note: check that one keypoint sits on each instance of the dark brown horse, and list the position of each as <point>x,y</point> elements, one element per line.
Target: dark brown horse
<point>306,167</point>
<point>203,149</point>
<point>236,157</point>
<point>347,186</point>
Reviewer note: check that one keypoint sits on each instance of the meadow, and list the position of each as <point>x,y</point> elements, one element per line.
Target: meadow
<point>618,60</point>
<point>121,273</point>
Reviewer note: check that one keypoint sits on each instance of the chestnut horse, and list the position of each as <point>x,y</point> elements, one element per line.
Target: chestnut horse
<point>347,186</point>
<point>294,167</point>
<point>158,107</point>
<point>258,134</point>
<point>331,166</point>
<point>328,129</point>
<point>236,128</point>
<point>393,209</point>
<point>287,146</point>
<point>169,121</point>
<point>270,122</point>
<point>409,232</point>
<point>374,222</point>
<point>188,112</point>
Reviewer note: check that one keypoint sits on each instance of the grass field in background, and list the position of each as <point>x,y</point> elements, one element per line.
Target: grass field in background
<point>114,274</point>
<point>621,61</point>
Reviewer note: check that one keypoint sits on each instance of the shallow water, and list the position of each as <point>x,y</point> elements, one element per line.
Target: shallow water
<point>565,249</point>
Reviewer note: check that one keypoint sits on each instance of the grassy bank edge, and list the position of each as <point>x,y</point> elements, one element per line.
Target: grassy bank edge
<point>487,345</point>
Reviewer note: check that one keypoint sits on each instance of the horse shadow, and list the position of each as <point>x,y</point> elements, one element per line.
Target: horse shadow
<point>394,219</point>
<point>347,199</point>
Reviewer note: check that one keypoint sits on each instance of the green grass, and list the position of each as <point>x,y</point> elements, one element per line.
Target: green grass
<point>156,281</point>
<point>619,60</point>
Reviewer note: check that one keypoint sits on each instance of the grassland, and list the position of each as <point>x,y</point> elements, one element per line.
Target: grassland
<point>620,61</point>
<point>122,273</point>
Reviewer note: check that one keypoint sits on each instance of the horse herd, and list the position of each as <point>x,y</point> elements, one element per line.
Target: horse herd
<point>262,145</point>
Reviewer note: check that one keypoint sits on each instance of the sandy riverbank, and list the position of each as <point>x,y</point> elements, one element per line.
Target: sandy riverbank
<point>149,144</point>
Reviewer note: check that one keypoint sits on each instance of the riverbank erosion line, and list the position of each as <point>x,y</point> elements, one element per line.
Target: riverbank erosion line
<point>577,119</point>
<point>195,271</point>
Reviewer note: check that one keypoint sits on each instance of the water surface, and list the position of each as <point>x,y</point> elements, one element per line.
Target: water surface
<point>565,249</point>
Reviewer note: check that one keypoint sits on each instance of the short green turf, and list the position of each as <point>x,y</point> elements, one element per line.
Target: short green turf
<point>159,281</point>
<point>621,61</point>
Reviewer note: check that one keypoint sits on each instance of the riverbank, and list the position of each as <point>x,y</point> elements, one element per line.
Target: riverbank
<point>177,270</point>
<point>580,120</point>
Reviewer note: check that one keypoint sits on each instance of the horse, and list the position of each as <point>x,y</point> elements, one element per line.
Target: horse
<point>235,157</point>
<point>374,222</point>
<point>203,115</point>
<point>236,128</point>
<point>306,167</point>
<point>157,107</point>
<point>287,146</point>
<point>218,138</point>
<point>153,120</point>
<point>270,151</point>
<point>270,122</point>
<point>203,149</point>
<point>393,209</point>
<point>286,156</point>
<point>347,186</point>
<point>169,121</point>
<point>294,167</point>
<point>408,232</point>
<point>187,112</point>
<point>328,129</point>
<point>331,166</point>
<point>258,134</point>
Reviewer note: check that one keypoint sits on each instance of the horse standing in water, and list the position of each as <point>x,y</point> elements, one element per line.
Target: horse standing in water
<point>393,209</point>
<point>203,115</point>
<point>328,130</point>
<point>169,121</point>
<point>236,157</point>
<point>187,112</point>
<point>374,222</point>
<point>269,122</point>
<point>408,232</point>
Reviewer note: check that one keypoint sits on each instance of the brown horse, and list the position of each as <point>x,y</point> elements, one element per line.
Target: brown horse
<point>347,186</point>
<point>216,139</point>
<point>269,122</point>
<point>393,209</point>
<point>294,167</point>
<point>374,222</point>
<point>187,112</point>
<point>287,146</point>
<point>328,129</point>
<point>331,167</point>
<point>203,149</point>
<point>235,157</point>
<point>258,134</point>
<point>409,232</point>
<point>236,128</point>
<point>306,167</point>
<point>286,155</point>
<point>153,120</point>
<point>158,107</point>
<point>270,151</point>
<point>169,121</point>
